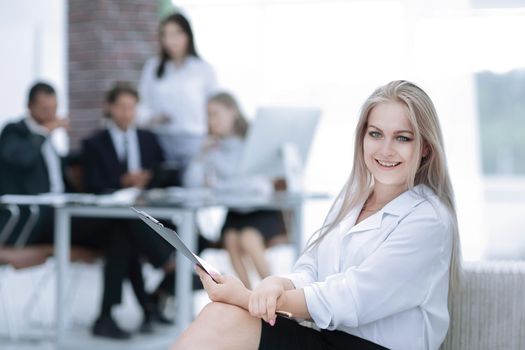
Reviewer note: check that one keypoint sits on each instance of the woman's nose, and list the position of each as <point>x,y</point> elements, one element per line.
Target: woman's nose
<point>387,149</point>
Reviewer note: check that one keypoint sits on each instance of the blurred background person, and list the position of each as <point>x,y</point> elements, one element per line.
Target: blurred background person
<point>245,234</point>
<point>124,156</point>
<point>174,88</point>
<point>121,155</point>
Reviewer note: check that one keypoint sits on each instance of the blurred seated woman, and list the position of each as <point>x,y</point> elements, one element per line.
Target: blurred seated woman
<point>245,233</point>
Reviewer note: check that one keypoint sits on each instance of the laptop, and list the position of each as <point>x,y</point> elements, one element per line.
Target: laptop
<point>173,238</point>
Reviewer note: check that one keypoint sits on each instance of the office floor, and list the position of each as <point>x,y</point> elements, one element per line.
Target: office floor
<point>33,329</point>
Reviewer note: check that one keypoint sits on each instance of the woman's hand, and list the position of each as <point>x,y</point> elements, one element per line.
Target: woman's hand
<point>266,298</point>
<point>224,289</point>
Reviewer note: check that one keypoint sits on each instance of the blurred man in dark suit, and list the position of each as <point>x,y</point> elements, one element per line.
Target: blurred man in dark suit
<point>122,156</point>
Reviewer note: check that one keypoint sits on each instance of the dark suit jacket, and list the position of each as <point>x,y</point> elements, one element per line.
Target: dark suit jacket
<point>102,168</point>
<point>23,170</point>
<point>22,166</point>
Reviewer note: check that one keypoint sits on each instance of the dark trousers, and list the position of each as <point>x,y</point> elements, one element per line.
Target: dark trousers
<point>287,334</point>
<point>122,261</point>
<point>149,245</point>
<point>157,251</point>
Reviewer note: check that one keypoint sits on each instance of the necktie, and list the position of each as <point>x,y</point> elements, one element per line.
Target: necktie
<point>125,153</point>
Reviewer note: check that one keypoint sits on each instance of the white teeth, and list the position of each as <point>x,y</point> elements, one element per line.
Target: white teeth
<point>388,164</point>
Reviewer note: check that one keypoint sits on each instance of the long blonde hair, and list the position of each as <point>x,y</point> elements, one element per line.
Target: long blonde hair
<point>431,171</point>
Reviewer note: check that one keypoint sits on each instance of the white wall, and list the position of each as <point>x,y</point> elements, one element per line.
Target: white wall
<point>332,54</point>
<point>33,42</point>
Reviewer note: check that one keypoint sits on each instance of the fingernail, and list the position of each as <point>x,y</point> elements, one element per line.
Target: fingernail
<point>272,322</point>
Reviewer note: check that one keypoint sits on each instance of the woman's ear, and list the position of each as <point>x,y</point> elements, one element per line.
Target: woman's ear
<point>426,151</point>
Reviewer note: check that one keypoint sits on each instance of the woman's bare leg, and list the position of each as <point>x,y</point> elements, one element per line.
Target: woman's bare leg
<point>252,242</point>
<point>221,326</point>
<point>232,243</point>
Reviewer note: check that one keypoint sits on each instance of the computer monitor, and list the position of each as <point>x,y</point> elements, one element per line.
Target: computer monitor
<point>278,143</point>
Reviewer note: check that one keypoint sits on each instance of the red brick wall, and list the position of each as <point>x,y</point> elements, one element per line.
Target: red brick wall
<point>108,40</point>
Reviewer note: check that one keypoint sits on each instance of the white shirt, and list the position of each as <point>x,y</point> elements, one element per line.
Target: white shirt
<point>385,279</point>
<point>219,168</point>
<point>126,144</point>
<point>51,158</point>
<point>181,94</point>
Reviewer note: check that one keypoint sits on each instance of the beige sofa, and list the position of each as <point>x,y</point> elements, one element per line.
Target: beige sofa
<point>489,312</point>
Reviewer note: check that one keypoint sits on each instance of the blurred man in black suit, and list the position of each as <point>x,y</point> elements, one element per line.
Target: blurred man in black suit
<point>123,156</point>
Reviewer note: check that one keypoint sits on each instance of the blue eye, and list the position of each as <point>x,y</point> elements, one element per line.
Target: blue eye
<point>374,134</point>
<point>403,139</point>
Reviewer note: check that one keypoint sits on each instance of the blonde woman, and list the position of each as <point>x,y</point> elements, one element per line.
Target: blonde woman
<point>379,272</point>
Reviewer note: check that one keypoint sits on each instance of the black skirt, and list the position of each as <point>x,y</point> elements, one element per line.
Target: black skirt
<point>268,222</point>
<point>287,334</point>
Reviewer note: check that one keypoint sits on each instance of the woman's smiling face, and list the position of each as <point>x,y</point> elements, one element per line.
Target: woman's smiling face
<point>388,145</point>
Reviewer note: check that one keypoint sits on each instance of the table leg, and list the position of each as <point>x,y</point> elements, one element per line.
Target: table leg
<point>184,292</point>
<point>62,251</point>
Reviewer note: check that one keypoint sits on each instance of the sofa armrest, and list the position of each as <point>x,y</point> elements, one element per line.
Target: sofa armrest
<point>489,310</point>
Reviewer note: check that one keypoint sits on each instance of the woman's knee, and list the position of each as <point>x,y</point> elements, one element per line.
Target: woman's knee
<point>232,241</point>
<point>221,326</point>
<point>221,309</point>
<point>251,239</point>
<point>232,319</point>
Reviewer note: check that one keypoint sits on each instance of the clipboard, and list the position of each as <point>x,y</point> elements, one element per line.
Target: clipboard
<point>173,238</point>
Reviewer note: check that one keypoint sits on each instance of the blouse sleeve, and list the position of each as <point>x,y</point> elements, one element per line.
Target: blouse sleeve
<point>305,269</point>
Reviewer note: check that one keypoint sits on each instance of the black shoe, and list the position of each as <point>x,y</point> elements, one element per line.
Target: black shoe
<point>147,324</point>
<point>155,311</point>
<point>105,326</point>
<point>159,317</point>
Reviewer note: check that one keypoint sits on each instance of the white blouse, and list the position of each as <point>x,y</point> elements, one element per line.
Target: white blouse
<point>386,278</point>
<point>219,169</point>
<point>181,95</point>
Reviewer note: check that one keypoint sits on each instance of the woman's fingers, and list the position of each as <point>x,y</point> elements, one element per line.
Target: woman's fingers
<point>200,272</point>
<point>218,278</point>
<point>252,304</point>
<point>255,307</point>
<point>263,306</point>
<point>271,305</point>
<point>206,280</point>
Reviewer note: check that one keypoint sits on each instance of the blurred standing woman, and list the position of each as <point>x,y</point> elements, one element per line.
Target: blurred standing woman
<point>174,89</point>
